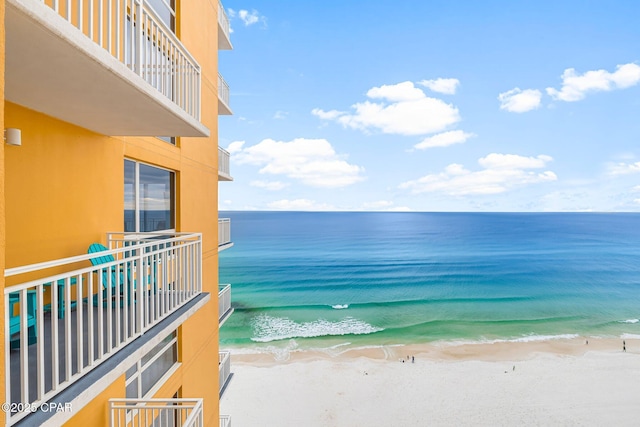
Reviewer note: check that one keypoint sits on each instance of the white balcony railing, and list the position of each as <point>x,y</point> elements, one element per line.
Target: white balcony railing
<point>224,170</point>
<point>60,325</point>
<point>132,32</point>
<point>224,365</point>
<point>224,108</point>
<point>225,420</point>
<point>224,33</point>
<point>224,303</point>
<point>156,412</point>
<point>224,234</point>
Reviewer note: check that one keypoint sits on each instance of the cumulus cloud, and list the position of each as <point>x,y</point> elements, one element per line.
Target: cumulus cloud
<point>520,101</point>
<point>312,161</point>
<point>402,109</point>
<point>500,173</point>
<point>299,205</point>
<point>440,85</point>
<point>624,168</point>
<point>279,115</point>
<point>269,185</point>
<point>444,139</point>
<point>235,146</point>
<point>247,18</point>
<point>575,87</point>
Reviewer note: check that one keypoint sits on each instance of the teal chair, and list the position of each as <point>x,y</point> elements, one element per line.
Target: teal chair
<point>114,273</point>
<point>14,320</point>
<point>61,296</point>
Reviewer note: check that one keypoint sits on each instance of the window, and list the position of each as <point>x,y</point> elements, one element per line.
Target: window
<point>166,10</point>
<point>143,378</point>
<point>149,198</point>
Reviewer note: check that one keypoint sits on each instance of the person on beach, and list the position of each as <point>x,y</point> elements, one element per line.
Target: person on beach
<point>624,346</point>
<point>413,359</point>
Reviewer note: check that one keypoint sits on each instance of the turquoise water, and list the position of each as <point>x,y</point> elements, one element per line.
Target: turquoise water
<point>327,279</point>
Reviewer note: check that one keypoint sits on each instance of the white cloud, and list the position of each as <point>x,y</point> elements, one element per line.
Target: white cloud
<point>576,86</point>
<point>444,139</point>
<point>312,161</point>
<point>624,168</point>
<point>500,173</point>
<point>280,115</point>
<point>403,110</point>
<point>513,161</point>
<point>235,146</point>
<point>400,209</point>
<point>400,92</point>
<point>380,204</point>
<point>520,101</point>
<point>636,189</point>
<point>250,18</point>
<point>269,185</point>
<point>299,205</point>
<point>440,85</point>
<point>326,115</point>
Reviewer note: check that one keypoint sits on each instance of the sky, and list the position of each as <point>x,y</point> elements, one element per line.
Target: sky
<point>487,106</point>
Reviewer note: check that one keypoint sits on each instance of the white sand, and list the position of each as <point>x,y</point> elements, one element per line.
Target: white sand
<point>553,384</point>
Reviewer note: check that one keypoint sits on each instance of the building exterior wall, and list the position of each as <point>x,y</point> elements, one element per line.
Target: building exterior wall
<point>63,189</point>
<point>2,198</point>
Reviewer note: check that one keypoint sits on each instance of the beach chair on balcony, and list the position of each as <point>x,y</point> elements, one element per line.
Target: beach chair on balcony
<point>111,275</point>
<point>114,273</point>
<point>61,296</point>
<point>14,319</point>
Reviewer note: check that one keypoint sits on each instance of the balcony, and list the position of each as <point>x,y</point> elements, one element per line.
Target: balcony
<point>224,30</point>
<point>156,412</point>
<point>88,64</point>
<point>223,97</point>
<point>224,234</point>
<point>224,365</point>
<point>64,325</point>
<point>224,303</point>
<point>225,420</point>
<point>224,172</point>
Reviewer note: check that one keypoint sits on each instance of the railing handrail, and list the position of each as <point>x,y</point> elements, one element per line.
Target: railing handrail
<point>225,420</point>
<point>223,19</point>
<point>223,356</point>
<point>192,407</point>
<point>223,90</point>
<point>111,304</point>
<point>14,271</point>
<point>174,39</point>
<point>121,402</point>
<point>121,25</point>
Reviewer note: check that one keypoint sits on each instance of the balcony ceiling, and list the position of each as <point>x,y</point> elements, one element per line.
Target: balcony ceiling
<point>51,67</point>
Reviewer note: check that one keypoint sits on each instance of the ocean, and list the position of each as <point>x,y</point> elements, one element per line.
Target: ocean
<point>314,280</point>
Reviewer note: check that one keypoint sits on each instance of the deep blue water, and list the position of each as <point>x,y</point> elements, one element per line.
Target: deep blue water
<point>370,278</point>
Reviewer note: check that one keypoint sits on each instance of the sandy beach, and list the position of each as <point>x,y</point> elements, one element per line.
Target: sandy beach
<point>546,383</point>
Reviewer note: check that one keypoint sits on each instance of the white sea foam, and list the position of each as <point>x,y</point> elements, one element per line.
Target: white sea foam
<point>340,306</point>
<point>267,328</point>
<point>630,336</point>
<point>526,338</point>
<point>629,321</point>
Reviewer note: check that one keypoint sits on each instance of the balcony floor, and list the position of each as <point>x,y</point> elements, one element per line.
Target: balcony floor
<point>117,319</point>
<point>109,366</point>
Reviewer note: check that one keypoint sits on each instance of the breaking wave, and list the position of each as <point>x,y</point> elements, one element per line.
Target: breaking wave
<point>268,328</point>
